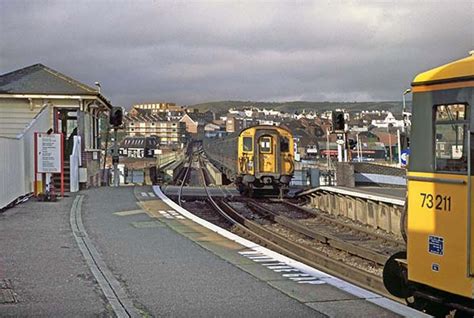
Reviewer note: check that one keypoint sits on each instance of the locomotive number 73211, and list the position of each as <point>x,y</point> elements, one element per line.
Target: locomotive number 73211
<point>439,202</point>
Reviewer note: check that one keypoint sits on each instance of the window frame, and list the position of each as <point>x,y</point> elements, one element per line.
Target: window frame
<point>244,143</point>
<point>465,123</point>
<point>270,146</point>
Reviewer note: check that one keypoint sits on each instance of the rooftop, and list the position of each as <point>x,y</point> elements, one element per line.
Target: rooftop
<point>40,79</point>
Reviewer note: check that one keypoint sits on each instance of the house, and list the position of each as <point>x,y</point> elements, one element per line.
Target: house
<point>195,121</point>
<point>37,99</point>
<point>139,147</point>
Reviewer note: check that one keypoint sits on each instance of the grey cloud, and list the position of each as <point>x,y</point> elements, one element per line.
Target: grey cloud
<point>200,51</point>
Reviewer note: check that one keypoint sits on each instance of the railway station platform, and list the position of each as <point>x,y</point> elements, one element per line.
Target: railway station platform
<point>157,260</point>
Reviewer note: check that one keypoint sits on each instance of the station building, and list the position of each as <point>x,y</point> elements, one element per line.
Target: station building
<point>39,99</point>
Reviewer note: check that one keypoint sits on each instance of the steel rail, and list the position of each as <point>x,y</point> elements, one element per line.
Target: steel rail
<point>280,244</point>
<point>185,178</point>
<point>322,236</point>
<point>343,224</point>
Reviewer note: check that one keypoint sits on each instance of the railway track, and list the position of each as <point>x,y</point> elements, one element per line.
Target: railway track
<point>317,240</point>
<point>330,231</point>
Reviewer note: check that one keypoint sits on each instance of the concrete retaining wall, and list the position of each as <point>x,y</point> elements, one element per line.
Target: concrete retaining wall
<point>214,173</point>
<point>379,215</point>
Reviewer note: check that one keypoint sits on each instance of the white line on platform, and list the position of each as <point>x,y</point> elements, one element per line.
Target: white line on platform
<point>144,194</point>
<point>279,267</point>
<point>275,263</point>
<point>297,275</point>
<point>329,279</point>
<point>131,212</point>
<point>312,282</point>
<point>151,194</point>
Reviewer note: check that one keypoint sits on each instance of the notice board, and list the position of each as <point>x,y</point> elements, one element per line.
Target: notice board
<point>49,153</point>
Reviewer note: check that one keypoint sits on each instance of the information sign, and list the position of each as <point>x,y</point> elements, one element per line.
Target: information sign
<point>49,152</point>
<point>404,156</point>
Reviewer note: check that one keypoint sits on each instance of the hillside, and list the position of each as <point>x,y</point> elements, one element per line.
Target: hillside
<point>223,106</point>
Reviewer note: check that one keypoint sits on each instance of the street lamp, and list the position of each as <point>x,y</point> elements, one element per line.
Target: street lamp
<point>98,86</point>
<point>407,91</point>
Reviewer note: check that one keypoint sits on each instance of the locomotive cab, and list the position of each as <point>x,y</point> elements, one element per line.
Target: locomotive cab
<point>436,274</point>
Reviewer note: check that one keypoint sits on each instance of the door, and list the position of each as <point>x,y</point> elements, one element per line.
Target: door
<point>67,124</point>
<point>266,154</point>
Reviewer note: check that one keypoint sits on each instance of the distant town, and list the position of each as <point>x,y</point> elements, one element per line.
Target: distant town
<point>160,126</point>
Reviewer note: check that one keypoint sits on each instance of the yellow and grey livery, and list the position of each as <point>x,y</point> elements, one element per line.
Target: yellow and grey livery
<point>437,271</point>
<point>258,159</point>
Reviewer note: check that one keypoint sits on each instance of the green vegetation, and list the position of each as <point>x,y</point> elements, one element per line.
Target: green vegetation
<point>290,107</point>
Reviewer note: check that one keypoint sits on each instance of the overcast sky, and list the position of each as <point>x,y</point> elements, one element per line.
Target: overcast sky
<point>191,52</point>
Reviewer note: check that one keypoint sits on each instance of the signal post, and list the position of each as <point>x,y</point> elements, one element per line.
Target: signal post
<point>338,127</point>
<point>116,119</point>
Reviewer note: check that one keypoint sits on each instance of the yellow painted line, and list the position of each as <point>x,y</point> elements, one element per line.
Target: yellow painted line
<point>131,212</point>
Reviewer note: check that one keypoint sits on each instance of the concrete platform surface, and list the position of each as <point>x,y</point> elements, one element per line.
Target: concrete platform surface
<point>164,261</point>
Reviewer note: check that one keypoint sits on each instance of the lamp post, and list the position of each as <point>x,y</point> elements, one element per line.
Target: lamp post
<point>407,91</point>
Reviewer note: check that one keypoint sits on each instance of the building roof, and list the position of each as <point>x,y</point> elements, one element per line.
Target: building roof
<point>40,79</point>
<point>457,70</point>
<point>140,142</point>
<point>144,118</point>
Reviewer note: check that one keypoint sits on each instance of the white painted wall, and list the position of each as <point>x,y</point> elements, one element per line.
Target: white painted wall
<point>12,174</point>
<point>41,123</point>
<point>17,159</point>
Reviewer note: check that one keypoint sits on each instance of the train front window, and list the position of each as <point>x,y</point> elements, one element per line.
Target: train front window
<point>266,145</point>
<point>247,143</point>
<point>284,145</point>
<point>451,137</point>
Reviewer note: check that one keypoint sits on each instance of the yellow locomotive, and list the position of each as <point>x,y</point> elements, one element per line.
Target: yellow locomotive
<point>436,273</point>
<point>258,159</point>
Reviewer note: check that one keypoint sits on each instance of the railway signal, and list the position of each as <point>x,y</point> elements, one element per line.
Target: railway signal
<point>116,117</point>
<point>338,121</point>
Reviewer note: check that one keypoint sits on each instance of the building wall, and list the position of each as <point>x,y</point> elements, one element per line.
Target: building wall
<point>168,132</point>
<point>16,114</point>
<point>191,125</point>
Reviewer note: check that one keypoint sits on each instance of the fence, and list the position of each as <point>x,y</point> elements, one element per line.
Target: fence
<point>17,160</point>
<point>12,173</point>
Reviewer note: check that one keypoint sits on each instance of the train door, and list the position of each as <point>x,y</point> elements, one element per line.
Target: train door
<point>471,202</point>
<point>439,205</point>
<point>267,154</point>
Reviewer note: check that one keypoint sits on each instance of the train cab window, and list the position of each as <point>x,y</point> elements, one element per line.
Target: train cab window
<point>247,143</point>
<point>266,145</point>
<point>284,145</point>
<point>451,137</point>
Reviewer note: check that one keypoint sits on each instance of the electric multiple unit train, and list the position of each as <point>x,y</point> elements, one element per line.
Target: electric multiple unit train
<point>258,159</point>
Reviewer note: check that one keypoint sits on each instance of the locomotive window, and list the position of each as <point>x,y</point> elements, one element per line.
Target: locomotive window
<point>266,145</point>
<point>284,145</point>
<point>451,137</point>
<point>247,143</point>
